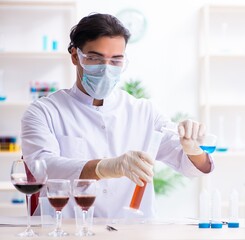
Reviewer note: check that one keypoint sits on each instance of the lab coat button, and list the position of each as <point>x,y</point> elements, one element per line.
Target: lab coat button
<point>103,126</point>
<point>104,191</point>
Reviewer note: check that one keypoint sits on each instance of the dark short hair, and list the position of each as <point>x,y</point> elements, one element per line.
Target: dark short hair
<point>94,26</point>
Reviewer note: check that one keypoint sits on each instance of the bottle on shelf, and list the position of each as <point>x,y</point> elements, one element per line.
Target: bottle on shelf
<point>33,91</point>
<point>53,87</point>
<point>221,144</point>
<point>54,45</point>
<point>2,90</point>
<point>9,144</point>
<point>42,89</point>
<point>45,43</point>
<point>18,198</point>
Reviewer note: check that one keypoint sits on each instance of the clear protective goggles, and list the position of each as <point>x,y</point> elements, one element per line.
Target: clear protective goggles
<point>94,59</point>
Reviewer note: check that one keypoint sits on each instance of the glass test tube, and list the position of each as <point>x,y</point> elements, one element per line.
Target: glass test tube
<point>137,196</point>
<point>204,209</point>
<point>221,145</point>
<point>234,209</point>
<point>152,151</point>
<point>216,210</point>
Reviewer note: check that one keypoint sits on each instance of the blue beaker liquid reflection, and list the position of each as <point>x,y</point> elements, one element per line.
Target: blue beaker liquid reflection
<point>208,149</point>
<point>2,98</point>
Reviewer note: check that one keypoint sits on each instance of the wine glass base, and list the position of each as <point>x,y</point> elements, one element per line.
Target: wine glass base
<point>59,233</point>
<point>84,233</point>
<point>28,233</point>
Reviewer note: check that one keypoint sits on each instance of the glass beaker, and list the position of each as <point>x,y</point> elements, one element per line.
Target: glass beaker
<point>208,143</point>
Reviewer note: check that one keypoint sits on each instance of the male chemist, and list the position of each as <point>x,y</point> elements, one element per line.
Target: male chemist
<point>95,130</point>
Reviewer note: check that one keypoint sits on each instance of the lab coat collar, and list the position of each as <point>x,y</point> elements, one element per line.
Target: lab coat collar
<point>109,102</point>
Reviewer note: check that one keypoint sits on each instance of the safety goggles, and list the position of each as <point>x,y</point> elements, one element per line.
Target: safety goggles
<point>94,59</point>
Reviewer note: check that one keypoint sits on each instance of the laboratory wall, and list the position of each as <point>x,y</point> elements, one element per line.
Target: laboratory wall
<point>165,59</point>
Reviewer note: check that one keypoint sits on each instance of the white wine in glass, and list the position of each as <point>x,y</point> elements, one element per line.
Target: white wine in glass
<point>84,192</point>
<point>28,179</point>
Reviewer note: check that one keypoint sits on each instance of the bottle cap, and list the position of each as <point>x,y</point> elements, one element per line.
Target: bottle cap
<point>204,225</point>
<point>233,225</point>
<point>216,225</point>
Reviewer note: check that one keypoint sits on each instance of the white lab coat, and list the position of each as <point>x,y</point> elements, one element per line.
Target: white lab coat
<point>66,130</point>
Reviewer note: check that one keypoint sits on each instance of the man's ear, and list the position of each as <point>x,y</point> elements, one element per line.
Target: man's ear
<point>74,56</point>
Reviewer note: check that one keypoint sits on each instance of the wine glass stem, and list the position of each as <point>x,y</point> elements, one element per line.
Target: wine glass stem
<point>28,212</point>
<point>58,220</point>
<point>85,225</point>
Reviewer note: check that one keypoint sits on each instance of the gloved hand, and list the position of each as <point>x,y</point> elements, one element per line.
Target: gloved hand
<point>137,166</point>
<point>191,133</point>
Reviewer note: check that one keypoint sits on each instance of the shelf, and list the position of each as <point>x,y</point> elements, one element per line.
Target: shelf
<point>4,205</point>
<point>11,205</point>
<point>41,55</point>
<point>23,104</point>
<point>6,155</point>
<point>7,186</point>
<point>224,56</point>
<point>230,154</point>
<point>38,4</point>
<point>226,8</point>
<point>9,209</point>
<point>224,105</point>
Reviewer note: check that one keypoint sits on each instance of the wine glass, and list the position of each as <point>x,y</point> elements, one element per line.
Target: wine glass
<point>84,192</point>
<point>29,179</point>
<point>58,192</point>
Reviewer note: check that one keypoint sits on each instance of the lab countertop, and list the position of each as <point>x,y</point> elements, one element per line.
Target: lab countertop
<point>142,231</point>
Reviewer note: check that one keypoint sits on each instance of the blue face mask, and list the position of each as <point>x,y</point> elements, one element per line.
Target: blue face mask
<point>99,80</point>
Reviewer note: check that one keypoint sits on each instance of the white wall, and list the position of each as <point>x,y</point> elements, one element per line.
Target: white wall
<point>166,60</point>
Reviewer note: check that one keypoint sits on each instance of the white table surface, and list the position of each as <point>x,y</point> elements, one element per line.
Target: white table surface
<point>133,231</point>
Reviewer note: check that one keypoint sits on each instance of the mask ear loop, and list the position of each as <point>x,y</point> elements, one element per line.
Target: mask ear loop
<point>81,78</point>
<point>79,75</point>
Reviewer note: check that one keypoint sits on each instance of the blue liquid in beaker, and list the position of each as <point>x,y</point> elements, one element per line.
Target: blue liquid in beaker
<point>208,149</point>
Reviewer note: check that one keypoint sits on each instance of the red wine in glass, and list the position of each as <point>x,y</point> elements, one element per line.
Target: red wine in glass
<point>58,192</point>
<point>58,202</point>
<point>28,178</point>
<point>85,201</point>
<point>28,188</point>
<point>84,192</point>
